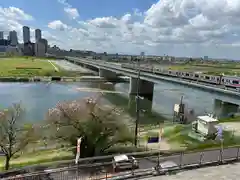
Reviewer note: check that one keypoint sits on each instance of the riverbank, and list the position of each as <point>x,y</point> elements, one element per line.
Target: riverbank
<point>17,69</point>
<point>81,77</point>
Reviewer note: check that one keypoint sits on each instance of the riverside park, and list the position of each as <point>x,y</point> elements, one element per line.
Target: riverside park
<point>47,145</point>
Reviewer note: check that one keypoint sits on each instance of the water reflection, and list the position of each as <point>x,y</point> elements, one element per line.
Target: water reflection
<point>37,98</point>
<point>224,109</point>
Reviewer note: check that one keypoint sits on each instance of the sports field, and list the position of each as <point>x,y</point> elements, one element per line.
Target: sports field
<point>26,67</point>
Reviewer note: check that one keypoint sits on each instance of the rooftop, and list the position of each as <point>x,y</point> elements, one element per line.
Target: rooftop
<point>121,158</point>
<point>207,118</point>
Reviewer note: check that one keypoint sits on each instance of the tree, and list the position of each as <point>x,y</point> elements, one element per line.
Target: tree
<point>14,135</point>
<point>100,127</point>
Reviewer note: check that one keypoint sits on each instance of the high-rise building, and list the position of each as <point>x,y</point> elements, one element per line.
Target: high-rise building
<point>1,35</point>
<point>26,34</point>
<point>13,38</point>
<point>38,35</point>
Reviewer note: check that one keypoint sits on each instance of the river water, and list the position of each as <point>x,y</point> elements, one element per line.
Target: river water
<point>37,98</point>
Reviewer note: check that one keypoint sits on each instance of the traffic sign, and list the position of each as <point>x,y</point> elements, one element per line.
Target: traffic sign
<point>219,132</point>
<point>153,139</point>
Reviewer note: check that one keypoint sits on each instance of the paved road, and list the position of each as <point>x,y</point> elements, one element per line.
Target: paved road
<point>223,172</point>
<point>148,163</point>
<point>70,66</point>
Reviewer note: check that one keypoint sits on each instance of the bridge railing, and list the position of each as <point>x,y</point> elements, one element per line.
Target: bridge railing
<point>151,165</point>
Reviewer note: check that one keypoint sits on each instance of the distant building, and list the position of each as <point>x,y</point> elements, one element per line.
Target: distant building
<point>3,50</point>
<point>29,49</point>
<point>13,50</point>
<point>1,35</point>
<point>26,34</point>
<point>13,38</point>
<point>40,49</point>
<point>38,35</point>
<point>4,42</point>
<point>45,42</point>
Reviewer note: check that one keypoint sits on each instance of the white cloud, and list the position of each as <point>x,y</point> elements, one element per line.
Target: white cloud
<point>57,25</point>
<point>173,27</point>
<point>14,13</point>
<point>11,19</point>
<point>64,2</point>
<point>72,12</point>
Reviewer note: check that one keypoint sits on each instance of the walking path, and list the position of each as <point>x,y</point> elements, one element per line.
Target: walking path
<point>223,172</point>
<point>56,69</point>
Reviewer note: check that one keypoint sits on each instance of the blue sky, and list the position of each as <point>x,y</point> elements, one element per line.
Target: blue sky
<point>172,27</point>
<point>49,10</point>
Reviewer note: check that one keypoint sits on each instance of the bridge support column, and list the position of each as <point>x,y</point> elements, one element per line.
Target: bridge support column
<point>146,89</point>
<point>109,75</point>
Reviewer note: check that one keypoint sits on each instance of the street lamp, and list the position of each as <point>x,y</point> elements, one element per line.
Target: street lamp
<point>137,102</point>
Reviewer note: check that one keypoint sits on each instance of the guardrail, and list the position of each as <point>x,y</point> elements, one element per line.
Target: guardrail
<point>193,83</point>
<point>152,165</point>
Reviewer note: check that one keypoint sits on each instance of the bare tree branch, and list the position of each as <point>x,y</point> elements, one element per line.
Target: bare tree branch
<point>13,135</point>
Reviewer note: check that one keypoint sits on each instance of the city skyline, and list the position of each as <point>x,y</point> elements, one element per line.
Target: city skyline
<point>174,27</point>
<point>26,35</point>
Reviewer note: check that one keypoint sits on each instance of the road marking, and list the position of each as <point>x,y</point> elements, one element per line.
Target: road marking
<point>56,69</point>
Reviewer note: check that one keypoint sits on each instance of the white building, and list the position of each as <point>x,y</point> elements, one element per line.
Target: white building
<point>26,34</point>
<point>206,125</point>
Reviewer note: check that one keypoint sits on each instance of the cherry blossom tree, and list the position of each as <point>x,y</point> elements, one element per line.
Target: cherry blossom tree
<point>99,126</point>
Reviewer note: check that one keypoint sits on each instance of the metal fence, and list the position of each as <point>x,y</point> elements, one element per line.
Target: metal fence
<point>151,165</point>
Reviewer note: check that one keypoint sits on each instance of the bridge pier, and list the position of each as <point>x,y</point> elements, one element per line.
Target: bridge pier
<point>109,75</point>
<point>146,90</point>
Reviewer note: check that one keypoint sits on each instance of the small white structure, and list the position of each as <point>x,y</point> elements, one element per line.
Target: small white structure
<point>206,125</point>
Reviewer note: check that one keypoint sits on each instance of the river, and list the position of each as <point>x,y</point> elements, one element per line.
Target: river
<point>37,98</point>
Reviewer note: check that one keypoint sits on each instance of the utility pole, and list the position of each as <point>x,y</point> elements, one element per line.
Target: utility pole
<point>137,102</point>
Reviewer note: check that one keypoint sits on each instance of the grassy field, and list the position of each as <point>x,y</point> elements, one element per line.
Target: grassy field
<point>39,157</point>
<point>25,67</point>
<point>181,134</point>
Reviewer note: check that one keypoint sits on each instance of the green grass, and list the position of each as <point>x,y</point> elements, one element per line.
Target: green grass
<point>8,68</point>
<point>230,119</point>
<point>39,157</point>
<point>179,134</point>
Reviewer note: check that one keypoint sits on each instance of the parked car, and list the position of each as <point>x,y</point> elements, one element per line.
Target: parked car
<point>123,162</point>
<point>163,167</point>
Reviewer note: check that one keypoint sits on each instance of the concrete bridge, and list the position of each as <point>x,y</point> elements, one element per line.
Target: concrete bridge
<point>111,73</point>
<point>146,82</point>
